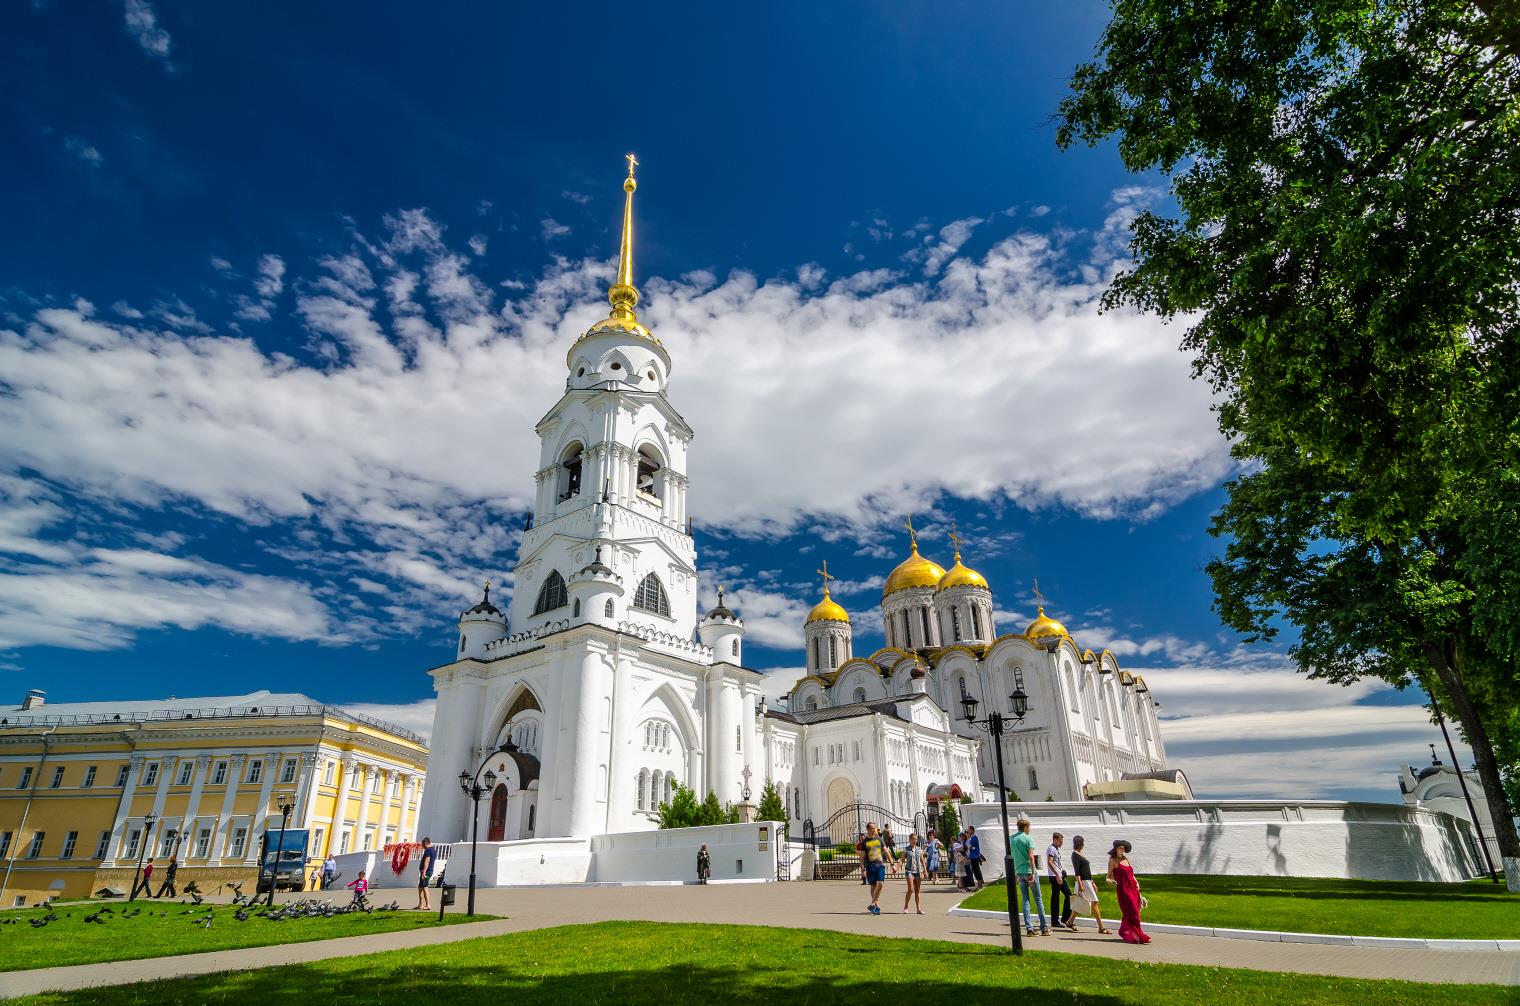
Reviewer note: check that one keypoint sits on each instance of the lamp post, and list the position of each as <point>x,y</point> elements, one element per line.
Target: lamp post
<point>994,724</point>
<point>286,806</point>
<point>473,788</point>
<point>142,850</point>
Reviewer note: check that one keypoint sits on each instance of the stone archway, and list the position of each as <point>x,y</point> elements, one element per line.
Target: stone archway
<point>497,831</point>
<point>838,796</point>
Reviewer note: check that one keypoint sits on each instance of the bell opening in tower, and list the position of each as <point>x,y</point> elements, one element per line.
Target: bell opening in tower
<point>649,469</point>
<point>570,478</point>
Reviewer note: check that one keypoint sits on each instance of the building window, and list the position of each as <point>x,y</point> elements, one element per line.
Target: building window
<point>327,773</point>
<point>220,775</point>
<point>607,610</point>
<point>833,653</point>
<point>570,485</point>
<point>290,771</point>
<point>734,646</point>
<point>239,839</point>
<point>976,622</point>
<point>817,654</point>
<point>255,771</point>
<point>738,738</point>
<point>815,754</point>
<point>133,837</point>
<point>955,624</point>
<point>26,778</point>
<point>121,775</point>
<point>857,751</point>
<point>649,467</point>
<point>68,845</point>
<point>651,596</point>
<point>1034,778</point>
<point>552,594</point>
<point>166,842</point>
<point>100,847</point>
<point>907,639</point>
<point>150,773</point>
<point>35,849</point>
<point>316,842</point>
<point>89,777</point>
<point>575,609</point>
<point>343,842</point>
<point>57,777</point>
<point>812,702</point>
<point>369,839</point>
<point>184,773</point>
<point>5,844</point>
<point>860,695</point>
<point>639,787</point>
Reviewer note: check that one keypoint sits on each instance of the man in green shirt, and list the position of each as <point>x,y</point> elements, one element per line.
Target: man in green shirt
<point>1022,847</point>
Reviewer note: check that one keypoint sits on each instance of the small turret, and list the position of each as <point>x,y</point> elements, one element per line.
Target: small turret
<point>595,592</point>
<point>483,624</point>
<point>827,635</point>
<point>723,630</point>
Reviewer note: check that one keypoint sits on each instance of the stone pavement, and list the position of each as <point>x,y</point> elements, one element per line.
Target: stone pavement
<point>836,906</point>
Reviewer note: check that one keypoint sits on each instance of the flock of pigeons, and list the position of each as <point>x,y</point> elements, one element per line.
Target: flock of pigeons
<point>244,907</point>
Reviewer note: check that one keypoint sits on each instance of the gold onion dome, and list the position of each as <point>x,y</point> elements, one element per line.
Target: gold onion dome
<point>914,571</point>
<point>960,574</point>
<point>827,610</point>
<point>1045,627</point>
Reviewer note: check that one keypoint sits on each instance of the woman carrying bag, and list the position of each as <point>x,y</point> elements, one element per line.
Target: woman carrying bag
<point>1122,874</point>
<point>1086,898</point>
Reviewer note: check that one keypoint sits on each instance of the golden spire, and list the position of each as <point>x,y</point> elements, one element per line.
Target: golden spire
<point>623,294</point>
<point>827,576</point>
<point>912,534</point>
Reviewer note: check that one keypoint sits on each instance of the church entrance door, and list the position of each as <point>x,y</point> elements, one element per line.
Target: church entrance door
<point>497,832</point>
<point>840,795</point>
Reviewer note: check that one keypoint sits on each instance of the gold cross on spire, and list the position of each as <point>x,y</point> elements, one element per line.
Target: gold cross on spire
<point>633,162</point>
<point>912,534</point>
<point>827,576</point>
<point>720,588</point>
<point>955,539</point>
<point>624,296</point>
<point>1039,598</point>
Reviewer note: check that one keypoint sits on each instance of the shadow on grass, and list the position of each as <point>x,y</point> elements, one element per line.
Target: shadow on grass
<point>462,985</point>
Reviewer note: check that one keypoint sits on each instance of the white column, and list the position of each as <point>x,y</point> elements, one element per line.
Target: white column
<point>369,786</point>
<point>306,795</point>
<point>405,832</point>
<point>346,767</point>
<point>123,806</point>
<point>193,805</point>
<point>165,770</point>
<point>260,822</point>
<point>584,704</point>
<point>219,837</point>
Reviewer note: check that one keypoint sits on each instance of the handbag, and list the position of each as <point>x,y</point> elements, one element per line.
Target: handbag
<point>1080,905</point>
<point>1144,902</point>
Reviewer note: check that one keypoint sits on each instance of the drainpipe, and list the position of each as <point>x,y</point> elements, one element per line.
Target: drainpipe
<point>21,828</point>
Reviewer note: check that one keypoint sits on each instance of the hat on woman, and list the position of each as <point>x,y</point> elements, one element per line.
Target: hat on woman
<point>1119,842</point>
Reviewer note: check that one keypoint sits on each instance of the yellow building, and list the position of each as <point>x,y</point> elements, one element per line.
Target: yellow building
<point>78,783</point>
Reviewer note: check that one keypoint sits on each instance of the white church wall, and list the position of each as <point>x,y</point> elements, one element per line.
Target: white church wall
<point>737,851</point>
<point>1324,838</point>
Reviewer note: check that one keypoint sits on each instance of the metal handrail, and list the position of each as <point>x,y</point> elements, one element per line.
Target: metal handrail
<point>204,713</point>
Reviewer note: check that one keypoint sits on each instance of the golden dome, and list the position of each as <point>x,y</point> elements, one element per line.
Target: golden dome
<point>914,571</point>
<point>1045,627</point>
<point>960,574</point>
<point>827,611</point>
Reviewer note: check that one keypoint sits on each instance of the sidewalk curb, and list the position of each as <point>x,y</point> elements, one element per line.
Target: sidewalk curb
<point>1272,936</point>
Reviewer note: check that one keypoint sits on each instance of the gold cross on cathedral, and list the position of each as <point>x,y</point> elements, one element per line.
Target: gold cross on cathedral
<point>1039,598</point>
<point>912,534</point>
<point>955,539</point>
<point>827,576</point>
<point>633,162</point>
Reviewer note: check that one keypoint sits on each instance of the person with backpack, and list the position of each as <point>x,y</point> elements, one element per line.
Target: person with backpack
<point>974,857</point>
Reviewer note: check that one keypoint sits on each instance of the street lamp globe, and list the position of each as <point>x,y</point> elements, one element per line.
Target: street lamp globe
<point>464,782</point>
<point>1020,703</point>
<point>968,708</point>
<point>490,779</point>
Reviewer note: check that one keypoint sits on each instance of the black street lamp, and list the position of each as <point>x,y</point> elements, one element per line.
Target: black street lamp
<point>473,788</point>
<point>994,725</point>
<point>142,850</point>
<point>286,806</point>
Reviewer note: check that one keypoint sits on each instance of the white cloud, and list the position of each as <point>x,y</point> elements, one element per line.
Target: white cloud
<point>478,245</point>
<point>142,24</point>
<point>917,383</point>
<point>552,228</point>
<point>84,151</point>
<point>414,716</point>
<point>952,236</point>
<point>580,198</point>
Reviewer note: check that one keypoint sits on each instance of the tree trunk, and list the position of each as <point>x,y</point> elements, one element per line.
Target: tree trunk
<point>1483,754</point>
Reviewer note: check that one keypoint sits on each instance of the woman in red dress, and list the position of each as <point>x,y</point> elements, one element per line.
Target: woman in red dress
<point>1122,875</point>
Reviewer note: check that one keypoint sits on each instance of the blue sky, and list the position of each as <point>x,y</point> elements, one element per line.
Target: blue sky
<point>284,288</point>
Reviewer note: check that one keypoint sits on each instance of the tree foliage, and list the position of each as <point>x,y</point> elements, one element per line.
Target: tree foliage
<point>949,822</point>
<point>1346,183</point>
<point>771,808</point>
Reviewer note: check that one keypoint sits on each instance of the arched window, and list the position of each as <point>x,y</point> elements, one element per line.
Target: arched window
<point>463,640</point>
<point>575,610</point>
<point>651,596</point>
<point>552,594</point>
<point>734,646</point>
<point>817,653</point>
<point>860,695</point>
<point>607,611</point>
<point>812,703</point>
<point>670,786</point>
<point>907,639</point>
<point>1034,779</point>
<point>640,782</point>
<point>924,618</point>
<point>976,622</point>
<point>955,624</point>
<point>649,469</point>
<point>570,476</point>
<point>833,653</point>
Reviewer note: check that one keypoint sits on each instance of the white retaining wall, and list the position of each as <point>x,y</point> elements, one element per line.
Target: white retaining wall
<point>739,852</point>
<point>1320,838</point>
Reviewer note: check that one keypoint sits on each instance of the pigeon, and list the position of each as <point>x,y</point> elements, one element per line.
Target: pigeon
<point>206,923</point>
<point>241,915</point>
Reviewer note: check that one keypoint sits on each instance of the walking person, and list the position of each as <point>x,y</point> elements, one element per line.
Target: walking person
<point>974,856</point>
<point>144,885</point>
<point>360,886</point>
<point>933,849</point>
<point>1022,848</point>
<point>967,879</point>
<point>1082,870</point>
<point>877,858</point>
<point>1056,871</point>
<point>704,864</point>
<point>957,854</point>
<point>889,841</point>
<point>1127,888</point>
<point>860,851</point>
<point>426,864</point>
<point>168,884</point>
<point>913,871</point>
<point>329,871</point>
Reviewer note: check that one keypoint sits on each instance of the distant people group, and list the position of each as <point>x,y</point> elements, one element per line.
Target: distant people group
<point>1073,890</point>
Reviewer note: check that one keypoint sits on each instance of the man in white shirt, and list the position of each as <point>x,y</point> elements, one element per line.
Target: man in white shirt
<point>1058,886</point>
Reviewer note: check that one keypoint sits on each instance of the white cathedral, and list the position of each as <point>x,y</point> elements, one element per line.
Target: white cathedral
<point>610,690</point>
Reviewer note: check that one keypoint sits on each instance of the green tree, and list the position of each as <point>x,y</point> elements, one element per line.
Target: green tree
<point>681,811</point>
<point>771,808</point>
<point>711,811</point>
<point>1346,180</point>
<point>949,822</point>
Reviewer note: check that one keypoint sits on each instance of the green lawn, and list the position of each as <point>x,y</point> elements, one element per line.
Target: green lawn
<point>1471,911</point>
<point>162,930</point>
<point>639,962</point>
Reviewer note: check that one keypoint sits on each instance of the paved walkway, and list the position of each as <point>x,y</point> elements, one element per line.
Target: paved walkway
<point>834,906</point>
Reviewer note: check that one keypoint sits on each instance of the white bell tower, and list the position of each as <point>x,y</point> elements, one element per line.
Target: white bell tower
<point>612,481</point>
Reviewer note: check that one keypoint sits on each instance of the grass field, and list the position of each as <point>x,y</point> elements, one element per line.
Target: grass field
<point>639,962</point>
<point>162,930</point>
<point>1470,911</point>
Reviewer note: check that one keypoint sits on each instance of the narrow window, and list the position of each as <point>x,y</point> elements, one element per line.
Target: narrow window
<point>220,775</point>
<point>976,622</point>
<point>817,654</point>
<point>36,847</point>
<point>552,594</point>
<point>833,653</point>
<point>255,770</point>
<point>290,771</point>
<point>860,695</point>
<point>5,844</point>
<point>734,647</point>
<point>570,480</point>
<point>607,611</point>
<point>955,624</point>
<point>924,618</point>
<point>150,774</point>
<point>649,469</point>
<point>57,777</point>
<point>907,640</point>
<point>575,609</point>
<point>239,839</point>
<point>1034,779</point>
<point>100,847</point>
<point>68,845</point>
<point>121,775</point>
